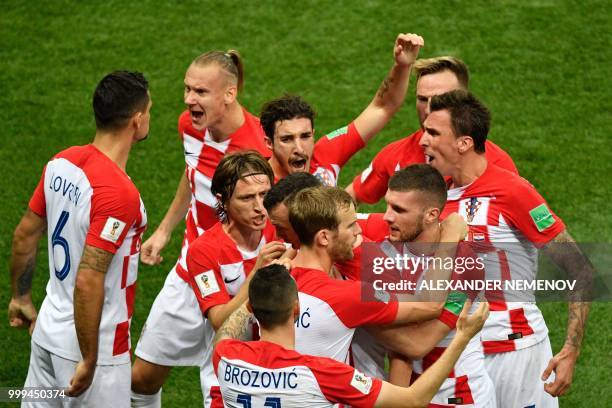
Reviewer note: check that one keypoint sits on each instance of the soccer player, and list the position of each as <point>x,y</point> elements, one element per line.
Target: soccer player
<point>220,260</point>
<point>213,125</point>
<point>271,373</point>
<point>434,76</point>
<point>289,123</point>
<point>500,208</point>
<point>325,222</point>
<point>95,219</point>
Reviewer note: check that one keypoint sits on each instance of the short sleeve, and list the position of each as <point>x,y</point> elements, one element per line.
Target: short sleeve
<point>37,203</point>
<point>205,277</point>
<point>114,210</point>
<point>341,383</point>
<point>373,226</point>
<point>347,301</point>
<point>337,147</point>
<point>371,185</point>
<point>530,214</point>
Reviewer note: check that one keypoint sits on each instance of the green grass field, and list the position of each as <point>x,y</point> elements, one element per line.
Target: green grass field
<point>541,66</point>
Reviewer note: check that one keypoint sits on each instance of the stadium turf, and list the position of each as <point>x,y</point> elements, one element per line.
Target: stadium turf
<point>541,66</point>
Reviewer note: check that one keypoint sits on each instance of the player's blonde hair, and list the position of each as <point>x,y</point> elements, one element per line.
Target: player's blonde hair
<point>429,66</point>
<point>316,208</point>
<point>230,61</point>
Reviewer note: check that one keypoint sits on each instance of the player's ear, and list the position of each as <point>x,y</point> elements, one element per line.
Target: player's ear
<point>249,307</point>
<point>465,143</point>
<point>269,142</point>
<point>432,215</point>
<point>296,310</point>
<point>322,237</point>
<point>231,92</point>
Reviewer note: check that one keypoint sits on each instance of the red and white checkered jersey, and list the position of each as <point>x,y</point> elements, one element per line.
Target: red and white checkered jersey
<point>371,185</point>
<point>202,156</point>
<point>332,151</point>
<point>331,309</point>
<point>509,220</point>
<point>217,268</point>
<point>88,200</point>
<point>264,374</point>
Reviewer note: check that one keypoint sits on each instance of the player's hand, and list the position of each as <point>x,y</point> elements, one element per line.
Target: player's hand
<point>152,247</point>
<point>407,48</point>
<point>469,325</point>
<point>453,228</point>
<point>271,251</point>
<point>286,262</point>
<point>82,378</point>
<point>22,313</point>
<point>563,365</point>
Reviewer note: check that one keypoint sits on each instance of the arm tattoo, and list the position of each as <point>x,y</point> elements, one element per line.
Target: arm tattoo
<point>95,259</point>
<point>565,253</point>
<point>384,87</point>
<point>24,282</point>
<point>235,326</point>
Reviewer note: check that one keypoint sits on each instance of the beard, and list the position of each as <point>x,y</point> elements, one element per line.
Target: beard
<point>341,251</point>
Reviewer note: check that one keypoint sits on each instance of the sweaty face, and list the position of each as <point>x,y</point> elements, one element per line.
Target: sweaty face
<point>279,216</point>
<point>207,95</point>
<point>245,207</point>
<point>431,85</point>
<point>344,238</point>
<point>293,146</point>
<point>439,143</point>
<point>405,215</point>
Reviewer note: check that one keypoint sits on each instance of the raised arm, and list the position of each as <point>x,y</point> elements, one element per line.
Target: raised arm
<point>88,302</point>
<point>566,254</point>
<point>152,247</point>
<point>390,96</point>
<point>425,387</point>
<point>21,310</point>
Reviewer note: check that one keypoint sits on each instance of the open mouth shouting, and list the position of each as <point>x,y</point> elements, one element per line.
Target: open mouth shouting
<point>298,163</point>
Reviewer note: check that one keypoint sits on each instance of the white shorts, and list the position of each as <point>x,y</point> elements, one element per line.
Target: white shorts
<point>173,334</point>
<point>110,386</point>
<point>517,377</point>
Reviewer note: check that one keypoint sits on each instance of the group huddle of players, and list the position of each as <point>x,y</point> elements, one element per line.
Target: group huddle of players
<point>266,296</point>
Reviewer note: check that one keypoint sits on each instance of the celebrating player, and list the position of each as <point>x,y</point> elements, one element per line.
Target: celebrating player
<point>500,208</point>
<point>220,261</point>
<point>434,76</point>
<point>271,373</point>
<point>95,219</point>
<point>289,123</point>
<point>213,125</point>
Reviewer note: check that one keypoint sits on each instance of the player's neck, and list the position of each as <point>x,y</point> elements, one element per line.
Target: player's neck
<point>282,335</point>
<point>231,122</point>
<point>244,237</point>
<point>277,169</point>
<point>313,258</point>
<point>472,166</point>
<point>427,241</point>
<point>116,146</point>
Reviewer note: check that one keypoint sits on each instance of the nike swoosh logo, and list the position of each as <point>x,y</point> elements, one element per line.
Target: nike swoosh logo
<point>233,280</point>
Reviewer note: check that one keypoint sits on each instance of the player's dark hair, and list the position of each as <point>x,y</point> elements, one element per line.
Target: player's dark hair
<point>424,179</point>
<point>234,167</point>
<point>435,65</point>
<point>316,208</point>
<point>272,294</point>
<point>469,116</point>
<point>117,97</point>
<point>230,61</point>
<point>286,107</point>
<point>287,186</point>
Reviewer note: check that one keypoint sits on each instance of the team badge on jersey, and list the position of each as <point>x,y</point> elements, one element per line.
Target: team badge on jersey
<point>542,217</point>
<point>475,210</point>
<point>112,229</point>
<point>207,283</point>
<point>361,382</point>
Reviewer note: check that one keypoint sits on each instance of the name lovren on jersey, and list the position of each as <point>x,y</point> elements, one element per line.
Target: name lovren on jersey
<point>259,379</point>
<point>59,184</point>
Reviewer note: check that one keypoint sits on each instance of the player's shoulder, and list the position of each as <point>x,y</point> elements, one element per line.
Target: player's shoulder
<point>406,144</point>
<point>503,179</point>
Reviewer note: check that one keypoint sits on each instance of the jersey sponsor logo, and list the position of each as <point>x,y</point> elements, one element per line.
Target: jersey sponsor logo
<point>542,217</point>
<point>112,229</point>
<point>66,188</point>
<point>361,382</point>
<point>338,132</point>
<point>207,283</point>
<point>260,379</point>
